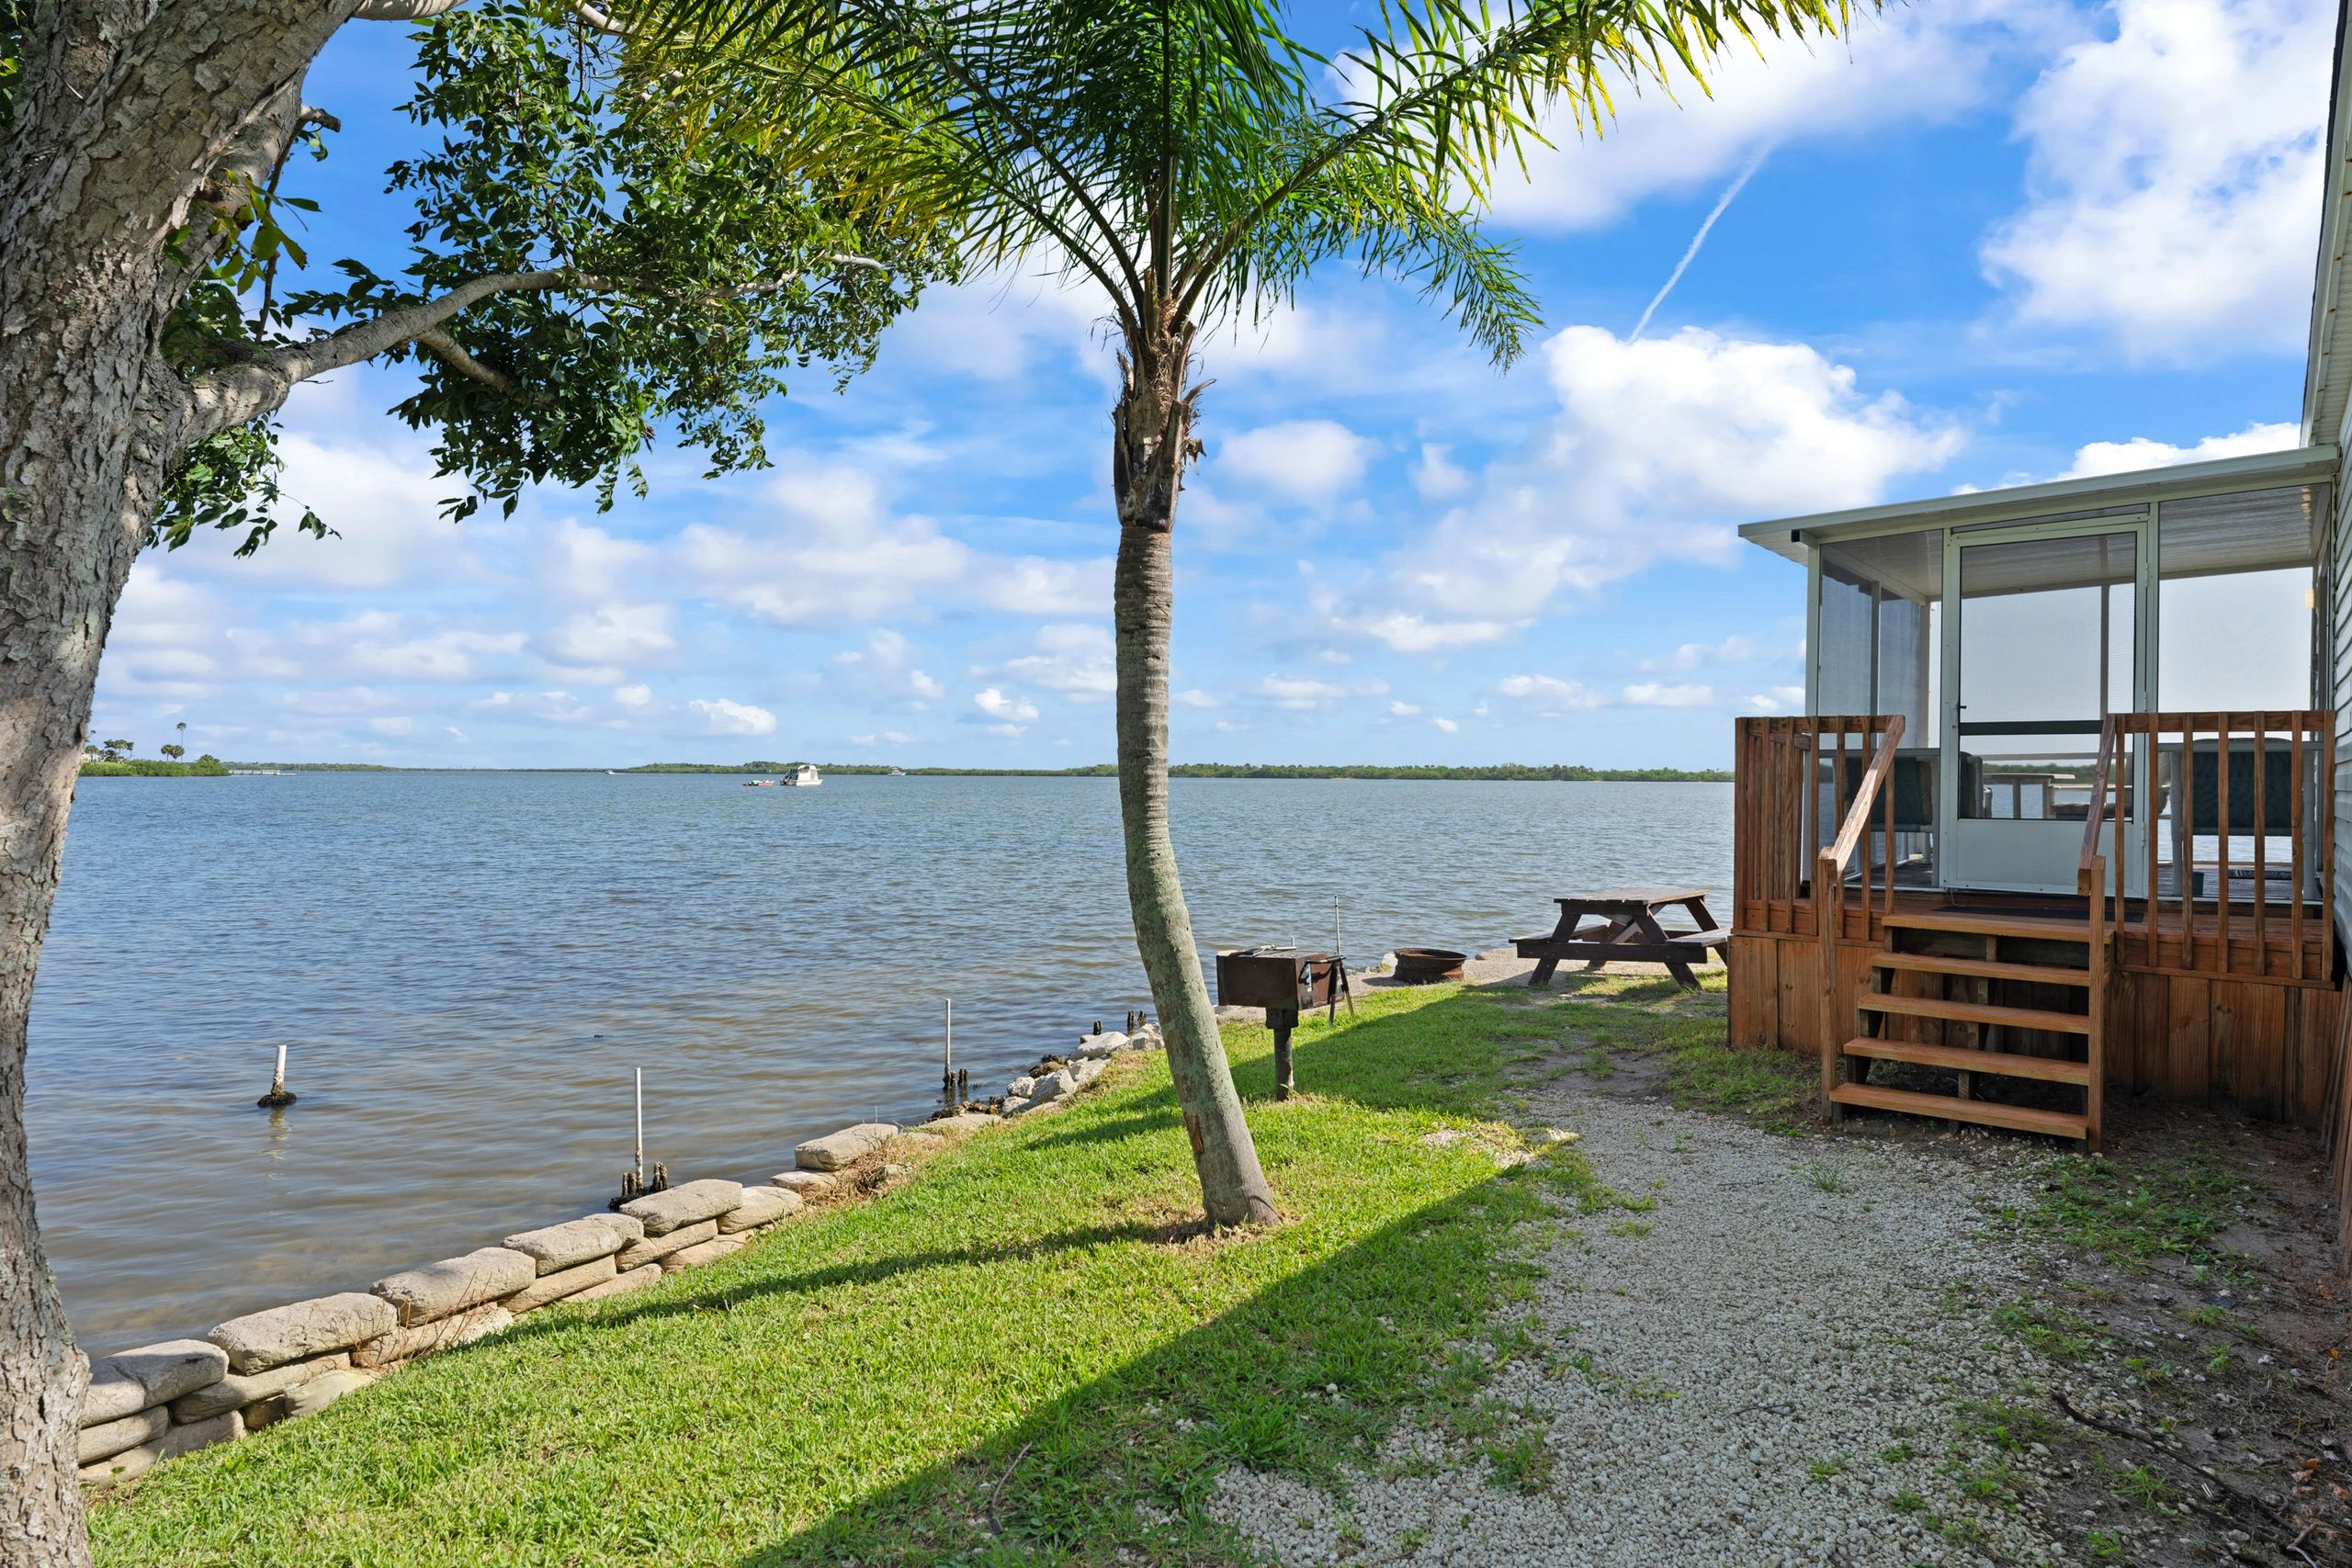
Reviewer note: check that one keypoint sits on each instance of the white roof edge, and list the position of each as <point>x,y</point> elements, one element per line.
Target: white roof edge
<point>2331,283</point>
<point>2314,464</point>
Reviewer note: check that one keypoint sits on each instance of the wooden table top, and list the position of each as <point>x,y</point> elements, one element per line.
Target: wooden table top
<point>1647,898</point>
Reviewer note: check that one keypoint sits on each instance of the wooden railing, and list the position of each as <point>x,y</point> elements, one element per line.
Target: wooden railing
<point>1829,877</point>
<point>2177,929</point>
<point>1785,766</point>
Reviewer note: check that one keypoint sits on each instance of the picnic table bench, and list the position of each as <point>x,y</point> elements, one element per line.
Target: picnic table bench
<point>1625,930</point>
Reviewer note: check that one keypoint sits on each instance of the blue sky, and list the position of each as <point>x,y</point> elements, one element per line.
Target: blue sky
<point>1983,243</point>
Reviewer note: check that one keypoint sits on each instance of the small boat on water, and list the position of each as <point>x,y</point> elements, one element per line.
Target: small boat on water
<point>806,778</point>
<point>759,784</point>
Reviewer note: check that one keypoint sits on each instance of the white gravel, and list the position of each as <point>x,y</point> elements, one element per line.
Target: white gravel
<point>1753,1359</point>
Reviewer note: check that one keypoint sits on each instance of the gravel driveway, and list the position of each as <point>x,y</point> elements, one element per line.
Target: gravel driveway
<point>1778,1364</point>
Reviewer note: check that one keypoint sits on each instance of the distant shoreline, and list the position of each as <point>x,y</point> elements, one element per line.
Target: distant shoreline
<point>1501,772</point>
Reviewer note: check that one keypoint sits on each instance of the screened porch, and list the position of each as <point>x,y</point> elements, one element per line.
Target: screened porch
<point>2006,630</point>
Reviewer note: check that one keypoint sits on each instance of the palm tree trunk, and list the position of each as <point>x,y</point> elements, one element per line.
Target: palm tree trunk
<point>1153,434</point>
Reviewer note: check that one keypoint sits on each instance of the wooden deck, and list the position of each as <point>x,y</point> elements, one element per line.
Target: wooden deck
<point>2232,1004</point>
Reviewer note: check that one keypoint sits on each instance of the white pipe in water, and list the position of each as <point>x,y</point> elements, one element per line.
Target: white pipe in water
<point>641,1124</point>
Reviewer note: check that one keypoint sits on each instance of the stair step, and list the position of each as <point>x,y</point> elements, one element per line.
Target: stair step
<point>1984,922</point>
<point>1977,1012</point>
<point>1982,968</point>
<point>1962,1059</point>
<point>2057,1124</point>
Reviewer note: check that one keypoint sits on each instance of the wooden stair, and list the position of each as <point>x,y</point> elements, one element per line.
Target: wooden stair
<point>1971,1019</point>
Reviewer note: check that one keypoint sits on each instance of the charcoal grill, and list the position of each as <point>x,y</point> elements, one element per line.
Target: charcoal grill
<point>1285,981</point>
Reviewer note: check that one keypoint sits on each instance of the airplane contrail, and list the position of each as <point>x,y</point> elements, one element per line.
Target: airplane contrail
<point>1747,172</point>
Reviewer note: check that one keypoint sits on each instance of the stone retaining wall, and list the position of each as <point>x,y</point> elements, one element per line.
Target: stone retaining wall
<point>147,1404</point>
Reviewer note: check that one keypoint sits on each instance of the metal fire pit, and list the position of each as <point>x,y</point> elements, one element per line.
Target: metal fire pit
<point>1428,965</point>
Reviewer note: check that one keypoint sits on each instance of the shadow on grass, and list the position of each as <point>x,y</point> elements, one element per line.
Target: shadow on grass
<point>1305,1377</point>
<point>1022,1357</point>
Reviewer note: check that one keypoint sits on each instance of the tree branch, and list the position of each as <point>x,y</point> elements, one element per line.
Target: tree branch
<point>235,394</point>
<point>425,10</point>
<point>449,351</point>
<point>403,10</point>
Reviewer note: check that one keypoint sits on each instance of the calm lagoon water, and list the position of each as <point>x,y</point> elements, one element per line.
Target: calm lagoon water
<point>465,967</point>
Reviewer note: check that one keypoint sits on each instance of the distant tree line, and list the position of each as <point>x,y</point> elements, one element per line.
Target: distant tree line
<point>1554,773</point>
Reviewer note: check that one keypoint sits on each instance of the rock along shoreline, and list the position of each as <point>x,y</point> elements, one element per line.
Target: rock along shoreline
<point>155,1402</point>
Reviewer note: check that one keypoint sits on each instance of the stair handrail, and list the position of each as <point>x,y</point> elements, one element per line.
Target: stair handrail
<point>1829,885</point>
<point>2090,870</point>
<point>2090,880</point>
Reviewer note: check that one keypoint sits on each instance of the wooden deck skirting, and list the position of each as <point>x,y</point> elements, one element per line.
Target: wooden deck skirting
<point>2205,1003</point>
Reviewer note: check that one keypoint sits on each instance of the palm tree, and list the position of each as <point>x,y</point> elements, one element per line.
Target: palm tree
<point>1197,162</point>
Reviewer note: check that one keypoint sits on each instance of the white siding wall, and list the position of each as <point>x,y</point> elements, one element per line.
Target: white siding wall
<point>2332,674</point>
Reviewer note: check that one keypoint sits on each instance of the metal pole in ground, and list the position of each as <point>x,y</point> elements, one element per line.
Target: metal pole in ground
<point>278,1096</point>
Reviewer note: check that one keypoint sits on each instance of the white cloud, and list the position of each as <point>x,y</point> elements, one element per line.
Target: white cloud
<point>1906,64</point>
<point>1404,710</point>
<point>1409,633</point>
<point>577,560</point>
<point>1312,461</point>
<point>1031,585</point>
<point>996,704</point>
<point>883,672</point>
<point>1550,695</point>
<point>633,696</point>
<point>1298,694</point>
<point>1001,327</point>
<point>1659,449</point>
<point>2140,452</point>
<point>1732,649</point>
<point>611,637</point>
<point>1652,694</point>
<point>2174,178</point>
<point>383,501</point>
<point>1077,658</point>
<point>1778,699</point>
<point>1437,476</point>
<point>727,717</point>
<point>1446,725</point>
<point>1196,698</point>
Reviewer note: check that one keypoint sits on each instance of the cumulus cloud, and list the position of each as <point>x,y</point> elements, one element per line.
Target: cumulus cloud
<point>1300,693</point>
<point>2140,452</point>
<point>1732,649</point>
<point>1311,461</point>
<point>611,637</point>
<point>1078,658</point>
<point>1911,63</point>
<point>1777,699</point>
<point>1659,449</point>
<point>884,673</point>
<point>997,705</point>
<point>2175,175</point>
<point>636,696</point>
<point>1655,695</point>
<point>1548,695</point>
<point>723,717</point>
<point>384,502</point>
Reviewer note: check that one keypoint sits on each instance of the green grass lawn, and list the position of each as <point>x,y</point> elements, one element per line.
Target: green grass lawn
<point>1026,1354</point>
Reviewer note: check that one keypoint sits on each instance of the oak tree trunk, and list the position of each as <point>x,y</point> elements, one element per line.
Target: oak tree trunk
<point>1152,443</point>
<point>127,111</point>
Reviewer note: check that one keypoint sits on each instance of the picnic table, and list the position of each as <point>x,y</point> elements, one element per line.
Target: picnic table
<point>1625,930</point>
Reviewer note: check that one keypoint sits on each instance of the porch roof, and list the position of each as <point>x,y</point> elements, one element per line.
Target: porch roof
<point>2302,468</point>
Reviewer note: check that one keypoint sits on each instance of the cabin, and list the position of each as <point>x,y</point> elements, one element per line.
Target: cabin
<point>2060,820</point>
